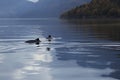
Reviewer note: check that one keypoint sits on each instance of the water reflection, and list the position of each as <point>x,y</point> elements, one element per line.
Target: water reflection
<point>91,57</point>
<point>76,54</point>
<point>33,72</point>
<point>103,54</point>
<point>48,49</point>
<point>2,57</point>
<point>106,29</point>
<point>36,66</point>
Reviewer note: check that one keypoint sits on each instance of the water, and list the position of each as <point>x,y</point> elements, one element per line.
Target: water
<point>87,50</point>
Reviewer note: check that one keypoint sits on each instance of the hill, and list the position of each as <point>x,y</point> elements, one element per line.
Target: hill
<point>36,8</point>
<point>95,9</point>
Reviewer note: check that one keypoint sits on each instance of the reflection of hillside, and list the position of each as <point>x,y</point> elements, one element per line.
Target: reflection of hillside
<point>107,29</point>
<point>111,32</point>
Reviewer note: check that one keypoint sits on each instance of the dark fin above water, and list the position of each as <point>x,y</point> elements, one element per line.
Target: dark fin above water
<point>36,41</point>
<point>30,41</point>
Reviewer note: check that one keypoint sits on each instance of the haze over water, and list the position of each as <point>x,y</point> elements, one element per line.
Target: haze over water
<point>89,50</point>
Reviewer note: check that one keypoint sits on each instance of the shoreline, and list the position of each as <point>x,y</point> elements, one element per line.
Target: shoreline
<point>115,21</point>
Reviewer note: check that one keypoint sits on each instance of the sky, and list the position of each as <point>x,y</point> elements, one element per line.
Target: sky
<point>34,1</point>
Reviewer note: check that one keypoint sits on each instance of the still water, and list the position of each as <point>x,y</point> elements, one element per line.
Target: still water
<point>80,50</point>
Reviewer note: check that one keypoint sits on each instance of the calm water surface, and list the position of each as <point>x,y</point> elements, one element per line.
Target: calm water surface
<point>79,50</point>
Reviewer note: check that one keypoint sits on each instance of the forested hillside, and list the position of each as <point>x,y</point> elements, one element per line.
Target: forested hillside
<point>95,9</point>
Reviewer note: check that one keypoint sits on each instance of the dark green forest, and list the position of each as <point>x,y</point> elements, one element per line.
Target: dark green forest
<point>95,9</point>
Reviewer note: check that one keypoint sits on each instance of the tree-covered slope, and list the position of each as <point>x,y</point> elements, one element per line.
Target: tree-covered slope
<point>95,9</point>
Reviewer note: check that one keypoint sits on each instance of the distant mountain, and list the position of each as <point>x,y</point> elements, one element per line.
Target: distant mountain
<point>95,9</point>
<point>42,8</point>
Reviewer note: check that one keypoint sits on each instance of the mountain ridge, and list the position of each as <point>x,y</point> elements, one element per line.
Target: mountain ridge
<point>40,9</point>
